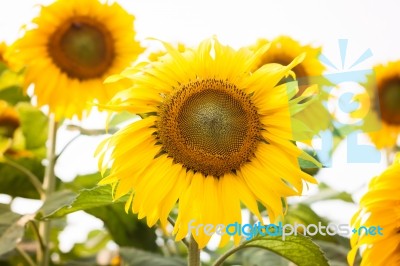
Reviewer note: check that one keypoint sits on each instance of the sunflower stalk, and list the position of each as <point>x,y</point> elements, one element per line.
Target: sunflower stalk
<point>66,146</point>
<point>172,222</point>
<point>35,231</point>
<point>226,255</point>
<point>24,255</point>
<point>194,253</point>
<point>91,132</point>
<point>49,183</point>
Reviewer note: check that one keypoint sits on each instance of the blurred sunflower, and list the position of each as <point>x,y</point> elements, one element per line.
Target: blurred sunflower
<point>284,50</point>
<point>9,120</point>
<point>8,77</point>
<point>216,135</point>
<point>387,104</point>
<point>379,206</point>
<point>71,48</point>
<point>12,141</point>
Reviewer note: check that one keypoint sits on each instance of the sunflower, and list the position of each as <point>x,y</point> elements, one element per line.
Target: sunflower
<point>72,47</point>
<point>12,141</point>
<point>386,106</point>
<point>283,51</point>
<point>9,120</point>
<point>9,76</point>
<point>379,207</point>
<point>216,135</point>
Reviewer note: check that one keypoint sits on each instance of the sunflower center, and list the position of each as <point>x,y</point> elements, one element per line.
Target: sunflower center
<point>82,47</point>
<point>389,100</point>
<point>8,125</point>
<point>209,126</point>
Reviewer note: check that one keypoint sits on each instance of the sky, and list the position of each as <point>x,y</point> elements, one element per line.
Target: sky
<point>366,25</point>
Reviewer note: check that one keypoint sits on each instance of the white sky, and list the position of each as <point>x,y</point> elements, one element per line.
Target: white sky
<point>370,24</point>
<point>366,24</point>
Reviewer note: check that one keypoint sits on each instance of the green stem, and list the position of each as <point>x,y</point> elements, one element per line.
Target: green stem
<point>91,132</point>
<point>67,145</point>
<point>31,176</point>
<point>194,253</point>
<point>49,184</point>
<point>25,256</point>
<point>35,231</point>
<point>172,222</point>
<point>226,255</point>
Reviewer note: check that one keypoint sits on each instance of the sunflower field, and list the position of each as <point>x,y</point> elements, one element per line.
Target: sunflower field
<point>172,133</point>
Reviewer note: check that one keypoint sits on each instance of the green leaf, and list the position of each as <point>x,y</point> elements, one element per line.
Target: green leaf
<point>337,254</point>
<point>12,236</point>
<point>83,181</point>
<point>327,193</point>
<point>95,242</point>
<point>7,219</point>
<point>10,79</point>
<point>257,256</point>
<point>55,202</point>
<point>297,249</point>
<point>4,208</point>
<point>335,247</point>
<point>34,127</point>
<point>308,166</point>
<point>133,257</point>
<point>15,183</point>
<point>125,229</point>
<point>12,228</point>
<point>304,215</point>
<point>91,132</point>
<point>121,117</point>
<point>13,95</point>
<point>3,67</point>
<point>343,131</point>
<point>86,199</point>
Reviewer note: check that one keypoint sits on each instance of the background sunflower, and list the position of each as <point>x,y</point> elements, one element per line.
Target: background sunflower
<point>71,48</point>
<point>386,104</point>
<point>283,50</point>
<point>9,123</point>
<point>379,207</point>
